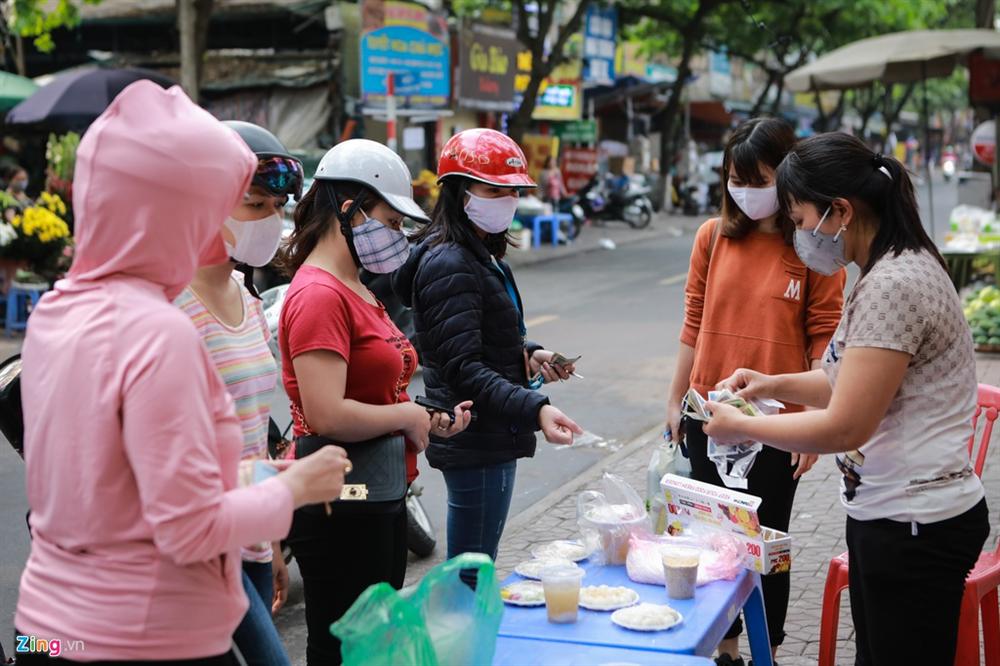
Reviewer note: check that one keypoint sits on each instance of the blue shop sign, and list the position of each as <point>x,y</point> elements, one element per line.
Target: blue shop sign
<point>600,35</point>
<point>419,61</point>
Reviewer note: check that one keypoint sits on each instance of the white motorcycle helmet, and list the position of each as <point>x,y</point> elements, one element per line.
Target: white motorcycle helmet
<point>375,166</point>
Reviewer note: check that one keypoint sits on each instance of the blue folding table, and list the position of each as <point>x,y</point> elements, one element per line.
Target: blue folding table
<point>529,652</point>
<point>707,617</point>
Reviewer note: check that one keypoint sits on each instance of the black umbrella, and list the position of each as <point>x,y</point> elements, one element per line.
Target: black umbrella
<point>74,100</point>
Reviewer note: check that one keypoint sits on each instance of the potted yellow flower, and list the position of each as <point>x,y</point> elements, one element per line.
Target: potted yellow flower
<point>36,240</point>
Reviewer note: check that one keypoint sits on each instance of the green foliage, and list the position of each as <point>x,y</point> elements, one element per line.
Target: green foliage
<point>772,33</point>
<point>38,19</point>
<point>949,93</point>
<point>60,151</point>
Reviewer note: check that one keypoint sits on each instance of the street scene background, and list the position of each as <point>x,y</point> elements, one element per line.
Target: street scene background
<point>622,108</point>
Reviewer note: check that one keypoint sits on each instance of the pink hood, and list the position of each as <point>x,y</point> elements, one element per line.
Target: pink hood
<point>156,177</point>
<point>131,441</point>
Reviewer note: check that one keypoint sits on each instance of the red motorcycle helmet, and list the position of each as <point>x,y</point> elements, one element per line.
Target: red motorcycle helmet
<point>487,156</point>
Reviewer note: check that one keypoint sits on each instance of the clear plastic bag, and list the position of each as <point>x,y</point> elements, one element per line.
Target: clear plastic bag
<point>608,517</point>
<point>735,461</point>
<point>665,455</point>
<point>660,463</point>
<point>440,622</point>
<point>721,556</point>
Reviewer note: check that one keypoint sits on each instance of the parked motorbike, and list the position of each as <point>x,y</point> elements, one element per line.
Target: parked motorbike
<point>420,535</point>
<point>602,201</point>
<point>685,196</point>
<point>571,205</point>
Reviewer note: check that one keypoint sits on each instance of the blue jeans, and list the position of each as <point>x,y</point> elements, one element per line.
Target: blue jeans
<point>256,637</point>
<point>478,502</point>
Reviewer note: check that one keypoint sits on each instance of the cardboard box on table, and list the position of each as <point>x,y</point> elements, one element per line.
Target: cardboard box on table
<point>692,505</point>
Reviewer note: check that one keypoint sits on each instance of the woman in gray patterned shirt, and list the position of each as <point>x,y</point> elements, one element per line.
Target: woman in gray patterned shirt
<point>894,401</point>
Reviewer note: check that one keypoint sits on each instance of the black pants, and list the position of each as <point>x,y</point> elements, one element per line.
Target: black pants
<point>906,590</point>
<point>771,480</point>
<point>339,557</point>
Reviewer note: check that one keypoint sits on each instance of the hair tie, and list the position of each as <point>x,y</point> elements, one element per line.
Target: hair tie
<point>879,163</point>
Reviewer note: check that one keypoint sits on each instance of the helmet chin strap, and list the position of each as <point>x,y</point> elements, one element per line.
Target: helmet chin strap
<point>345,220</point>
<point>247,271</point>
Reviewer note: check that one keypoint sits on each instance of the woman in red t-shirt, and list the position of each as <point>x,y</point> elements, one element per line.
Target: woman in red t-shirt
<point>346,367</point>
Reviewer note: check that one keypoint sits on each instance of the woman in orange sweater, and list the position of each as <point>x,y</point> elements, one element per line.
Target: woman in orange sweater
<point>751,302</point>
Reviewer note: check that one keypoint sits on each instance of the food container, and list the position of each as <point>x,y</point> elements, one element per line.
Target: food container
<point>693,506</point>
<point>612,523</point>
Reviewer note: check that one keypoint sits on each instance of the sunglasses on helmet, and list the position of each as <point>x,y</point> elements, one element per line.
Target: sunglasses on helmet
<point>280,176</point>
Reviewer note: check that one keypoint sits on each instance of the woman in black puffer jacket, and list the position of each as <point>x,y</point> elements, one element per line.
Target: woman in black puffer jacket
<point>470,336</point>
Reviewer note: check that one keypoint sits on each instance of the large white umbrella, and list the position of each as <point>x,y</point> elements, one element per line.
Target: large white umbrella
<point>899,57</point>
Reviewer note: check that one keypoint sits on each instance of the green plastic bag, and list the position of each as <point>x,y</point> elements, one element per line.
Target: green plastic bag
<point>440,622</point>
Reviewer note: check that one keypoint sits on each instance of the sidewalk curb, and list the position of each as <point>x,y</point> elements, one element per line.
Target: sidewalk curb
<point>571,487</point>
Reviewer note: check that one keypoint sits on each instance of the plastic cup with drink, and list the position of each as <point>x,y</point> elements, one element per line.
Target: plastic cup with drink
<point>561,585</point>
<point>680,568</point>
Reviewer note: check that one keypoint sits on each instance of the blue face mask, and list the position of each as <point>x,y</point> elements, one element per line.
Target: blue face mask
<point>819,251</point>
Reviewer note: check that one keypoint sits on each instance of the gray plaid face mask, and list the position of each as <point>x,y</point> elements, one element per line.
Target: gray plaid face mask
<point>380,248</point>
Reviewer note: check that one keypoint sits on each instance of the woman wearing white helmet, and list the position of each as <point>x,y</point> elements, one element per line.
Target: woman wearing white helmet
<point>346,368</point>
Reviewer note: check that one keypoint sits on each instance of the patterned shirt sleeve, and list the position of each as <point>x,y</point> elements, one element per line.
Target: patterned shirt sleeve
<point>889,312</point>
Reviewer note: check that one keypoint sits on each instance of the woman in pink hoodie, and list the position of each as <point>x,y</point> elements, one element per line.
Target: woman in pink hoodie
<point>131,440</point>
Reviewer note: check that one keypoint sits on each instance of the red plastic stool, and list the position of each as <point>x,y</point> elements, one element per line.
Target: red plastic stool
<point>980,595</point>
<point>836,583</point>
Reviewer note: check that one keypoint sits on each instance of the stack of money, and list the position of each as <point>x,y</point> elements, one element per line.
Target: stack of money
<point>694,404</point>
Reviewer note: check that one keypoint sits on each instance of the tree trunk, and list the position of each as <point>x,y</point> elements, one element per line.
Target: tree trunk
<point>867,110</point>
<point>541,66</point>
<point>822,114</point>
<point>762,98</point>
<point>838,113</point>
<point>667,143</point>
<point>192,22</point>
<point>894,111</point>
<point>986,11</point>
<point>776,104</point>
<point>522,118</point>
<point>19,55</point>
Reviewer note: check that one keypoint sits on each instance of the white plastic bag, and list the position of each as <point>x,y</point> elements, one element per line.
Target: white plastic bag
<point>735,461</point>
<point>607,519</point>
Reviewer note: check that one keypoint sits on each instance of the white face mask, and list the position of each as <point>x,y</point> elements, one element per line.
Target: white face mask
<point>381,249</point>
<point>756,202</point>
<point>822,252</point>
<point>256,240</point>
<point>491,215</point>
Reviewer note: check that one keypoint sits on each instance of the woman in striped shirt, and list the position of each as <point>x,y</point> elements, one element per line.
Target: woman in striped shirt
<point>231,322</point>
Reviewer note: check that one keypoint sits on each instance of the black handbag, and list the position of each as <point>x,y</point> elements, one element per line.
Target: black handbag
<point>377,481</point>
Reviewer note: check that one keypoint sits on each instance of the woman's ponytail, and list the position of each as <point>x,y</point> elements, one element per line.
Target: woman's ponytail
<point>899,207</point>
